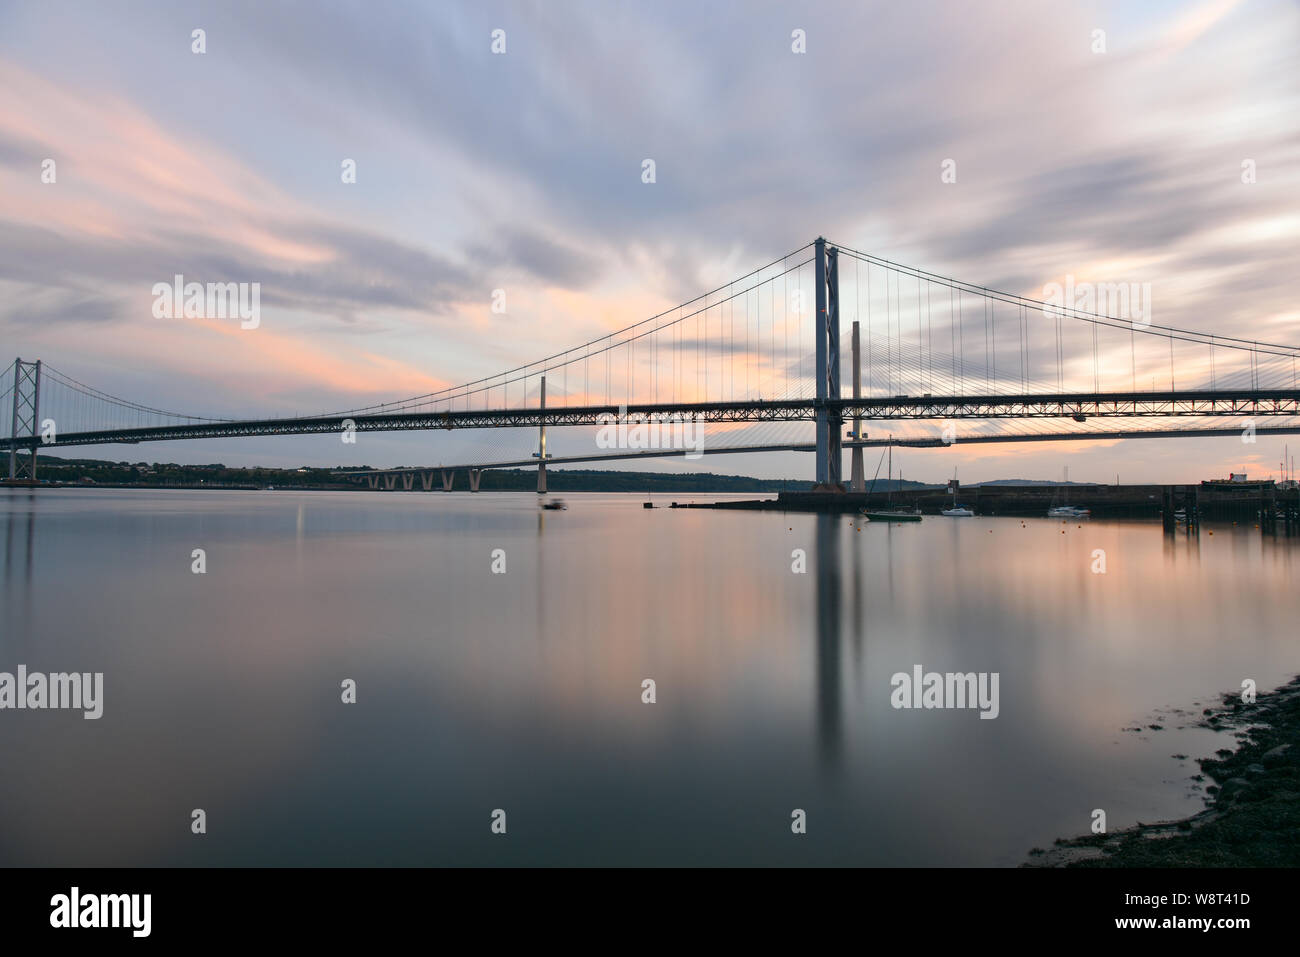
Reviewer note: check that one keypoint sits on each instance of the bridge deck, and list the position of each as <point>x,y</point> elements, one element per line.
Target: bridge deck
<point>1079,406</point>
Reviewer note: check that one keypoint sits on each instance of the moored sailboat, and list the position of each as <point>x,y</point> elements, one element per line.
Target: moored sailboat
<point>891,512</point>
<point>957,511</point>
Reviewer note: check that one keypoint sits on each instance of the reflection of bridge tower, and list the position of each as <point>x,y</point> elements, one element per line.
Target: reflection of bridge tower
<point>826,329</point>
<point>26,420</point>
<point>829,630</point>
<point>540,455</point>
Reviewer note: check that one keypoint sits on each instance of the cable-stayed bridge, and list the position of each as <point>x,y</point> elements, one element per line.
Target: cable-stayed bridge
<point>759,365</point>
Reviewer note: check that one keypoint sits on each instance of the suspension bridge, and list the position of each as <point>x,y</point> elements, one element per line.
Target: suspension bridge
<point>758,365</point>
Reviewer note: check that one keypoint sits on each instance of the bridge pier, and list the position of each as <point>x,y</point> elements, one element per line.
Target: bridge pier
<point>448,476</point>
<point>857,475</point>
<point>408,479</point>
<point>475,476</point>
<point>372,481</point>
<point>426,479</point>
<point>541,445</point>
<point>390,480</point>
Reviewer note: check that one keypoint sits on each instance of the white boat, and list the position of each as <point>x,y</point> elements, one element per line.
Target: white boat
<point>957,511</point>
<point>1068,511</point>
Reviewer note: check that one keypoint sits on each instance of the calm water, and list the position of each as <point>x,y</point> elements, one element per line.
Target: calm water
<point>522,691</point>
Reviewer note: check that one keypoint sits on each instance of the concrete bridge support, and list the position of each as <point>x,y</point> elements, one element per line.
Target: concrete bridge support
<point>372,481</point>
<point>475,476</point>
<point>408,479</point>
<point>390,480</point>
<point>857,476</point>
<point>448,476</point>
<point>541,446</point>
<point>426,479</point>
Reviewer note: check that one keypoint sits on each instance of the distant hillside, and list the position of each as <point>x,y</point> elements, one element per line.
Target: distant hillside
<point>1028,482</point>
<point>170,475</point>
<point>92,472</point>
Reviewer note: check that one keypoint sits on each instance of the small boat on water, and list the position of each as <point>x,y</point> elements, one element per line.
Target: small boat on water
<point>1068,511</point>
<point>892,514</point>
<point>1065,509</point>
<point>957,511</point>
<point>555,505</point>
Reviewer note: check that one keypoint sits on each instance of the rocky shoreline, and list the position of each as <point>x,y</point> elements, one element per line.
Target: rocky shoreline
<point>1253,813</point>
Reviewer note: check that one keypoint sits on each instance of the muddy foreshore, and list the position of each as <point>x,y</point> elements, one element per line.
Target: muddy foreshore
<point>1252,818</point>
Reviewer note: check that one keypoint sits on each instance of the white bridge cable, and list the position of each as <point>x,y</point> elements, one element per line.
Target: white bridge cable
<point>80,387</point>
<point>1151,329</point>
<point>1271,365</point>
<point>601,346</point>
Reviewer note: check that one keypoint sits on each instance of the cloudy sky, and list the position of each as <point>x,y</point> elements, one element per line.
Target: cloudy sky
<point>523,171</point>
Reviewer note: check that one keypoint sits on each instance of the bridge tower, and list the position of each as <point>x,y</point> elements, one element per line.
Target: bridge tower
<point>26,420</point>
<point>540,455</point>
<point>827,332</point>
